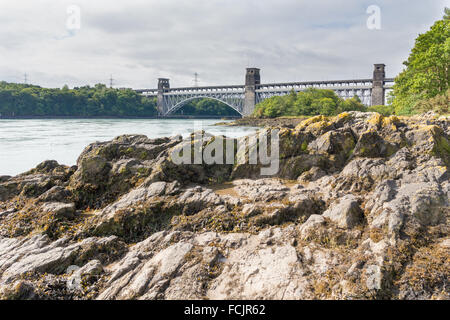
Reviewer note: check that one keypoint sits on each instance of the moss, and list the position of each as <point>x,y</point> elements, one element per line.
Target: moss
<point>375,120</point>
<point>142,171</point>
<point>304,146</point>
<point>350,153</point>
<point>441,144</point>
<point>143,155</point>
<point>308,122</point>
<point>390,123</point>
<point>129,150</point>
<point>343,115</point>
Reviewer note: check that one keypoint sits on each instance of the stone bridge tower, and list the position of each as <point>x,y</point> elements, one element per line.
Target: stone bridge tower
<point>163,86</point>
<point>378,91</point>
<point>252,79</point>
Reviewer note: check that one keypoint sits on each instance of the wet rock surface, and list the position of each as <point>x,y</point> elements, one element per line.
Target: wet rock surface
<point>358,210</point>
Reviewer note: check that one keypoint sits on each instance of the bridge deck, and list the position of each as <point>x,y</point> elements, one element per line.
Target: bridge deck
<point>269,87</point>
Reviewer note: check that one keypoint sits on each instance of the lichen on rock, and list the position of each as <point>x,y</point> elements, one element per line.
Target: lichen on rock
<point>359,209</point>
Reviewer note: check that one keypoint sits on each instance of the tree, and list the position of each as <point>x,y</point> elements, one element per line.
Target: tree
<point>427,69</point>
<point>308,103</point>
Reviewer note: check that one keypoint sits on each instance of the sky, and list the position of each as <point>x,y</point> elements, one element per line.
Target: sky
<point>138,41</point>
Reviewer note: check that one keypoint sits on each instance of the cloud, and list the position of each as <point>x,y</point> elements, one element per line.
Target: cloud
<point>138,41</point>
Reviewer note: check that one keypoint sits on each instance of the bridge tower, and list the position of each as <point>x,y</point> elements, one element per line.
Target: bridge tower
<point>252,79</point>
<point>163,86</point>
<point>378,91</point>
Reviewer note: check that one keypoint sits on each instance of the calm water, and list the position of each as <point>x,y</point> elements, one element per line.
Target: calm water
<point>26,143</point>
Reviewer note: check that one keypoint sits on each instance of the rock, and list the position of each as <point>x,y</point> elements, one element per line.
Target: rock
<point>55,194</point>
<point>373,277</point>
<point>195,199</point>
<point>47,166</point>
<point>35,182</point>
<point>421,203</point>
<point>372,145</point>
<point>4,178</point>
<point>39,254</point>
<point>293,167</point>
<point>148,278</point>
<point>313,222</point>
<point>6,212</point>
<point>250,209</point>
<point>357,210</point>
<point>339,143</point>
<point>261,190</point>
<point>88,273</point>
<point>313,174</point>
<point>91,171</point>
<point>60,210</point>
<point>258,274</point>
<point>345,212</point>
<point>19,290</point>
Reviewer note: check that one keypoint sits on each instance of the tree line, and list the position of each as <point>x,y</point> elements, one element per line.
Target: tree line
<point>21,100</point>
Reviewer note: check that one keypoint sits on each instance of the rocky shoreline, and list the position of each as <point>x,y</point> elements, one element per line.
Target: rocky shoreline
<point>358,210</point>
<point>287,122</point>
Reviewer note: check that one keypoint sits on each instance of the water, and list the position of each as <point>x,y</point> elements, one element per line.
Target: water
<point>26,143</point>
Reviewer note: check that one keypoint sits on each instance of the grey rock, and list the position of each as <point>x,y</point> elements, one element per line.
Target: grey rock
<point>55,194</point>
<point>59,209</point>
<point>89,272</point>
<point>374,277</point>
<point>345,212</point>
<point>313,222</point>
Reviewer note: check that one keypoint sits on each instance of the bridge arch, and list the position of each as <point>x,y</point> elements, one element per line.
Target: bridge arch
<point>182,103</point>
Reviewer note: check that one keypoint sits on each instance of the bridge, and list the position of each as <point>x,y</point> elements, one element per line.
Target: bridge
<point>243,98</point>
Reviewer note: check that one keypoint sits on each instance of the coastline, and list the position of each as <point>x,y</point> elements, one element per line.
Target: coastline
<point>352,196</point>
<point>113,117</point>
<point>288,122</point>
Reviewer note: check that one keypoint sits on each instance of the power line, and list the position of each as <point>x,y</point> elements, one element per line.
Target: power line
<point>111,81</point>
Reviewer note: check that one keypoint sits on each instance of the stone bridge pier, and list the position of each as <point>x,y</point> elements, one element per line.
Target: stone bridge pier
<point>252,80</point>
<point>163,87</point>
<point>378,91</point>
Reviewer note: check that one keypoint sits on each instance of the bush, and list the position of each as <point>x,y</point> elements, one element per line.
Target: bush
<point>307,103</point>
<point>438,104</point>
<point>384,110</point>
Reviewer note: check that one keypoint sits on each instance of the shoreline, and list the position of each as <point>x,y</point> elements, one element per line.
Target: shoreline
<point>288,122</point>
<point>114,117</point>
<point>340,183</point>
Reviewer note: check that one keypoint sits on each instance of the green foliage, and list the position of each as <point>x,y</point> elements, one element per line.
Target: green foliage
<point>307,103</point>
<point>439,104</point>
<point>384,110</point>
<point>206,107</point>
<point>27,100</point>
<point>427,71</point>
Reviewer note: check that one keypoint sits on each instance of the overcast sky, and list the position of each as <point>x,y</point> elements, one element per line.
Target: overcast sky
<point>138,41</point>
